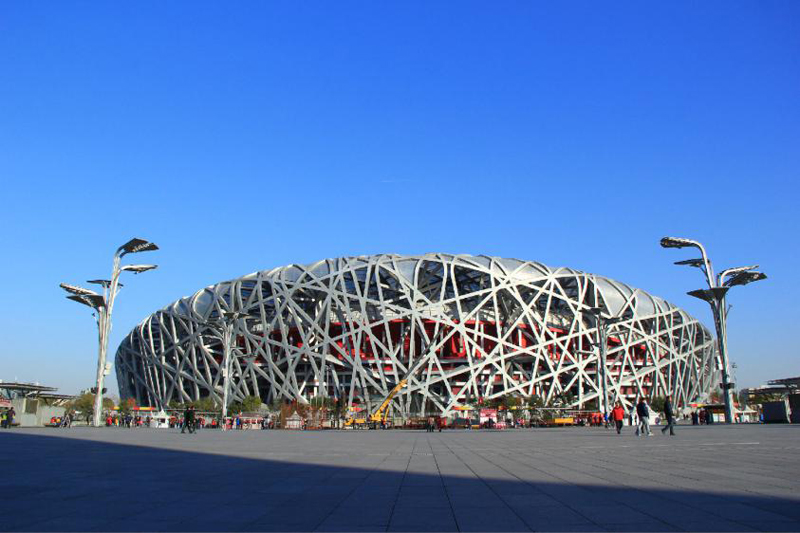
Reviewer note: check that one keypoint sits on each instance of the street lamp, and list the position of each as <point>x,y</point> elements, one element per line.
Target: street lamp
<point>104,305</point>
<point>715,296</point>
<point>230,319</point>
<point>603,325</point>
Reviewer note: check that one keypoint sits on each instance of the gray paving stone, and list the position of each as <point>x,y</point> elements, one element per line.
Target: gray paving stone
<point>708,478</point>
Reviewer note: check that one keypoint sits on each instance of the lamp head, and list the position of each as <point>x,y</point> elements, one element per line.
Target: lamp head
<point>676,242</point>
<point>710,295</point>
<point>74,289</point>
<point>743,278</point>
<point>136,245</point>
<point>691,262</point>
<point>105,283</point>
<point>138,269</point>
<point>729,272</point>
<point>95,301</point>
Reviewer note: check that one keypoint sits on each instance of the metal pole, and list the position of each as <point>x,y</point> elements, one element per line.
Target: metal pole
<point>718,310</point>
<point>722,339</point>
<point>226,368</point>
<point>105,331</point>
<point>601,335</point>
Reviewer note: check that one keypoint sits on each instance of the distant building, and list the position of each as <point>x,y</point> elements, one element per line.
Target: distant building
<point>33,404</point>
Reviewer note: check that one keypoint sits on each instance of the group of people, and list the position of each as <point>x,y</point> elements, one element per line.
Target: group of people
<point>702,417</point>
<point>62,421</point>
<point>127,421</point>
<point>432,425</point>
<point>643,417</point>
<point>7,418</point>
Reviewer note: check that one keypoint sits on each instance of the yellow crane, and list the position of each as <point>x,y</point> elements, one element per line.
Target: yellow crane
<point>378,416</point>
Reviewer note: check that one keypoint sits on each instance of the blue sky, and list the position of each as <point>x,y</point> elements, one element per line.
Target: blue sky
<point>245,136</point>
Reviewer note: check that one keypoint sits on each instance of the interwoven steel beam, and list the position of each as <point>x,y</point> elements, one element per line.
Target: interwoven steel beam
<point>474,327</point>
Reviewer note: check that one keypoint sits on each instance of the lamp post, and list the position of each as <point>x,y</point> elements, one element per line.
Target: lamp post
<point>715,296</point>
<point>230,319</point>
<point>603,325</point>
<point>104,306</point>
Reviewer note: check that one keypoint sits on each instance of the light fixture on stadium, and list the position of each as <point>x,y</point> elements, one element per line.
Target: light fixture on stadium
<point>135,246</point>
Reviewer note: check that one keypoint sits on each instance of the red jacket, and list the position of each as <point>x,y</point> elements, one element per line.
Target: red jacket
<point>618,413</point>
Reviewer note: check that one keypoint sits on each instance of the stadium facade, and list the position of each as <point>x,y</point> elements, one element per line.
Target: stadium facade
<point>470,327</point>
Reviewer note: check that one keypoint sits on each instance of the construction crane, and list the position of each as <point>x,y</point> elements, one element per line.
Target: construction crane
<point>377,418</point>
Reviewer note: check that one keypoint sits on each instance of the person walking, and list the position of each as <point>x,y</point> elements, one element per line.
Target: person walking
<point>617,416</point>
<point>188,420</point>
<point>670,414</point>
<point>10,417</point>
<point>643,412</point>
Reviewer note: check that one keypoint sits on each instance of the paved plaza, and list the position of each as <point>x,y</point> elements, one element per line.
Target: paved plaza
<point>707,478</point>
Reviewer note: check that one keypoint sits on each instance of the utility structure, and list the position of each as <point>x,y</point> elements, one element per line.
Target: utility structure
<point>715,296</point>
<point>103,305</point>
<point>229,321</point>
<point>603,325</point>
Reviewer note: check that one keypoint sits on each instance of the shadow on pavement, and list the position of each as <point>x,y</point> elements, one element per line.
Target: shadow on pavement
<point>65,484</point>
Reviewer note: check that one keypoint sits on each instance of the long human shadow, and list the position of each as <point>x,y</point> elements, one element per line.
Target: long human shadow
<point>48,483</point>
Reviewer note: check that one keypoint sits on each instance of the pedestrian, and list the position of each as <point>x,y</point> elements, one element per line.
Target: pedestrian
<point>10,417</point>
<point>695,418</point>
<point>188,420</point>
<point>617,416</point>
<point>670,415</point>
<point>643,412</point>
<point>4,419</point>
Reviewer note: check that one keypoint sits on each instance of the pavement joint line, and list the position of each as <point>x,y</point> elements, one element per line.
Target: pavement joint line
<point>578,511</point>
<point>402,482</point>
<point>447,493</point>
<point>667,497</point>
<point>493,491</point>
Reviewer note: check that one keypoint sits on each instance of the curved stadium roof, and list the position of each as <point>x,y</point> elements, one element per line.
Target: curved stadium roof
<point>352,327</point>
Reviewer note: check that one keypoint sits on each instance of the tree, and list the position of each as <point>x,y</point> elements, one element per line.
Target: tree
<point>83,404</point>
<point>321,402</point>
<point>534,402</point>
<point>127,405</point>
<point>251,404</point>
<point>108,403</point>
<point>203,404</point>
<point>510,401</point>
<point>657,404</point>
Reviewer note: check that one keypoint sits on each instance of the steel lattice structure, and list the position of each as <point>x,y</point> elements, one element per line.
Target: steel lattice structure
<point>471,326</point>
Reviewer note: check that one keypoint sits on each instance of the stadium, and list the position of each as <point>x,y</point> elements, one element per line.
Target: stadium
<point>456,327</point>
